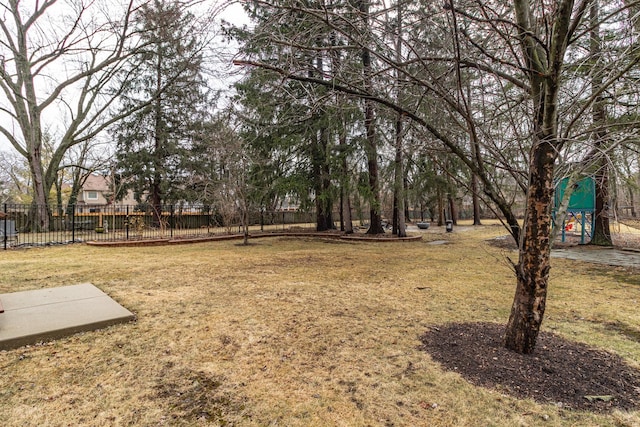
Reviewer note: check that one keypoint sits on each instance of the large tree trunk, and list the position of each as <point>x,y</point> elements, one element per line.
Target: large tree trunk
<point>156,203</point>
<point>405,187</point>
<point>441,215</point>
<point>453,211</point>
<point>601,231</point>
<point>159,142</point>
<point>59,206</point>
<point>375,217</point>
<point>321,170</point>
<point>40,205</point>
<point>346,222</point>
<point>532,270</point>
<point>245,224</point>
<point>28,115</point>
<point>544,67</point>
<point>326,182</point>
<point>345,194</point>
<point>322,178</point>
<point>398,226</point>
<point>477,155</point>
<point>475,151</point>
<point>476,200</point>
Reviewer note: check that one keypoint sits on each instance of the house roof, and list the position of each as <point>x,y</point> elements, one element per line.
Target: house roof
<point>96,182</point>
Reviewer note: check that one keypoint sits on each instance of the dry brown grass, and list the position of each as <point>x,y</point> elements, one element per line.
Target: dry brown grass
<point>295,332</point>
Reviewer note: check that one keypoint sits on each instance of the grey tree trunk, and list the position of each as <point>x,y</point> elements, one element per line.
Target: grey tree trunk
<point>453,211</point>
<point>375,217</point>
<point>601,230</point>
<point>399,227</point>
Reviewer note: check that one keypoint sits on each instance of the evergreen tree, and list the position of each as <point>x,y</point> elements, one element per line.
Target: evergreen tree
<point>152,142</point>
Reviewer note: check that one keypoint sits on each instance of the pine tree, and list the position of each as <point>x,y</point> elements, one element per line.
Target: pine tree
<point>152,142</point>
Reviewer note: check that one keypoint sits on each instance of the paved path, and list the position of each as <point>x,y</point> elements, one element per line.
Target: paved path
<point>607,256</point>
<point>594,254</point>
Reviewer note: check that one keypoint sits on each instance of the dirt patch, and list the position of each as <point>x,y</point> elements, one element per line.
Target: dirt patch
<point>503,242</point>
<point>197,397</point>
<point>568,374</point>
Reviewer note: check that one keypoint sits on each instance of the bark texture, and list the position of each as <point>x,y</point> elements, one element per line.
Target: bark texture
<point>544,67</point>
<point>601,230</point>
<point>371,149</point>
<point>532,270</point>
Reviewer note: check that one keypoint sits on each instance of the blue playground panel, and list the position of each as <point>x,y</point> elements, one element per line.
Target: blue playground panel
<point>582,202</point>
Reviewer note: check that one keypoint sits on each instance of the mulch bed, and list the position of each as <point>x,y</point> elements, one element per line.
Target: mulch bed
<point>198,239</point>
<point>568,374</point>
<point>380,237</point>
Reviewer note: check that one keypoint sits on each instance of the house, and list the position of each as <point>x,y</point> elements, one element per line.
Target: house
<point>97,192</point>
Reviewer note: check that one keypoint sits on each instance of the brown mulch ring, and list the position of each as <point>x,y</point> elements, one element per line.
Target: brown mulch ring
<point>380,237</point>
<point>218,237</point>
<point>568,374</point>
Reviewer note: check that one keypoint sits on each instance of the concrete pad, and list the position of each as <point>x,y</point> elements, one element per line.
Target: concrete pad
<point>33,316</point>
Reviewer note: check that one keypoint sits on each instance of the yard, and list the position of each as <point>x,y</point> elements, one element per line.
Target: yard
<point>298,332</point>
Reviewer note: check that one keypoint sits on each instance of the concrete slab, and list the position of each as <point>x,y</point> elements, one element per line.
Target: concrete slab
<point>33,316</point>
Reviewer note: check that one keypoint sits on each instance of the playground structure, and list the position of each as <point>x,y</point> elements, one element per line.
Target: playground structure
<point>580,208</point>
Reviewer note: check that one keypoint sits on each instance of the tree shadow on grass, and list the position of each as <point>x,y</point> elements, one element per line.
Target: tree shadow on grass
<point>568,374</point>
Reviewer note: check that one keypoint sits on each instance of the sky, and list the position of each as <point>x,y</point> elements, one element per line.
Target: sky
<point>233,13</point>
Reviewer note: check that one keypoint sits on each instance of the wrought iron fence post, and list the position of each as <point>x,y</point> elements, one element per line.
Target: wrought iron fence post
<point>73,222</point>
<point>126,224</point>
<point>208,218</point>
<point>4,233</point>
<point>171,221</point>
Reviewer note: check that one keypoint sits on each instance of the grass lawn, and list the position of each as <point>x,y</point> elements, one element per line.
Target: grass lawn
<point>296,332</point>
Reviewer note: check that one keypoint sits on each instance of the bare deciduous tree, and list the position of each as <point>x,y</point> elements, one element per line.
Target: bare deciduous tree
<point>59,60</point>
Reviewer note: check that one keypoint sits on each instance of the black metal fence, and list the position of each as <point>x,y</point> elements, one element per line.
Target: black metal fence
<point>29,225</point>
